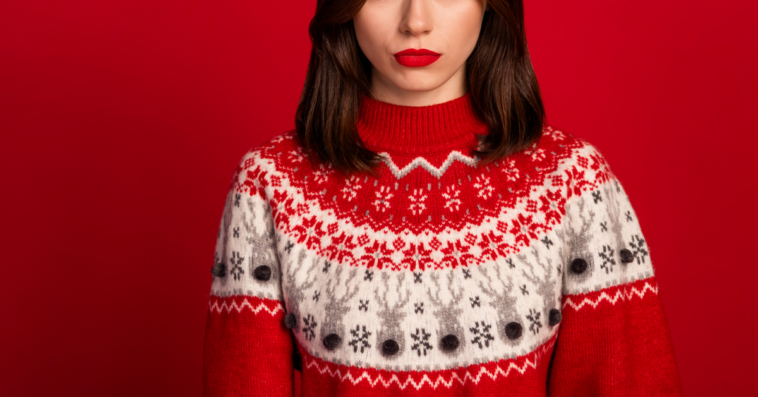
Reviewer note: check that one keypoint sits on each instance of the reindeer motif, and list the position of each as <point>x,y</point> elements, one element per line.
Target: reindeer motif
<point>501,299</point>
<point>448,313</point>
<point>296,293</point>
<point>614,214</point>
<point>262,252</point>
<point>220,268</point>
<point>336,305</point>
<point>578,240</point>
<point>545,284</point>
<point>391,315</point>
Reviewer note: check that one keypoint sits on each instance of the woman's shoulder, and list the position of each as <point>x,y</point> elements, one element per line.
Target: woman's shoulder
<point>570,159</point>
<point>260,166</point>
<point>276,148</point>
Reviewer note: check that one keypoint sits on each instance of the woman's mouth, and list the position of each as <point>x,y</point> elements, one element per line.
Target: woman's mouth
<point>414,58</point>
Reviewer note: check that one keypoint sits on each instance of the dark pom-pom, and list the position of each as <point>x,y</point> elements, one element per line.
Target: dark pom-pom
<point>262,273</point>
<point>390,347</point>
<point>554,317</point>
<point>626,256</point>
<point>218,270</point>
<point>290,321</point>
<point>449,343</point>
<point>513,330</point>
<point>578,266</point>
<point>332,341</point>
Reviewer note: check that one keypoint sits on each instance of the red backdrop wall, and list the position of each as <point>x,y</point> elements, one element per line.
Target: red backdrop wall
<point>122,122</point>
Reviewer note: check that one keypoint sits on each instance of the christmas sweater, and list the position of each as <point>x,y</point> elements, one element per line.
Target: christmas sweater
<point>528,276</point>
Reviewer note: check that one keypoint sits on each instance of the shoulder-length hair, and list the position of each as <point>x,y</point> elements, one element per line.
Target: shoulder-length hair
<point>499,75</point>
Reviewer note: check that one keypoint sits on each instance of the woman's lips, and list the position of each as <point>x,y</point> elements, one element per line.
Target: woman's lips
<point>414,58</point>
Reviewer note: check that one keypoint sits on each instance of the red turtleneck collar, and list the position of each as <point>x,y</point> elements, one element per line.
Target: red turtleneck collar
<point>384,127</point>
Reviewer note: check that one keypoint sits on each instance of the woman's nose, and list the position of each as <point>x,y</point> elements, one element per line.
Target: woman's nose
<point>417,17</point>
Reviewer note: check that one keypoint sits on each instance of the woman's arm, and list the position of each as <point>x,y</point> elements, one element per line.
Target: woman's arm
<point>247,350</point>
<point>613,338</point>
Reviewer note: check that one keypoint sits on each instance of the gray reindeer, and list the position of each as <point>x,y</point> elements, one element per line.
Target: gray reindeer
<point>220,268</point>
<point>337,305</point>
<point>546,284</point>
<point>390,316</point>
<point>577,239</point>
<point>503,300</point>
<point>614,214</point>
<point>262,252</point>
<point>296,293</point>
<point>448,314</point>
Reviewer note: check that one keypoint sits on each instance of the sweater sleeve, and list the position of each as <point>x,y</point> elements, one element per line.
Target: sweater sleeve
<point>613,338</point>
<point>247,350</point>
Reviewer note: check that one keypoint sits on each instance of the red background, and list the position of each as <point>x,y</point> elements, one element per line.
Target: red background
<point>122,122</point>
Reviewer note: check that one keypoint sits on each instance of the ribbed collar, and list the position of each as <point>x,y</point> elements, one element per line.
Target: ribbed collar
<point>384,127</point>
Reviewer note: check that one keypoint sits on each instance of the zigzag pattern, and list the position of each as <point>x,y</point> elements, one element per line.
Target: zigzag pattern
<point>234,305</point>
<point>530,361</point>
<point>620,294</point>
<point>421,162</point>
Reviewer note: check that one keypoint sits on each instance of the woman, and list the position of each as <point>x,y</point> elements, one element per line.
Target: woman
<point>423,233</point>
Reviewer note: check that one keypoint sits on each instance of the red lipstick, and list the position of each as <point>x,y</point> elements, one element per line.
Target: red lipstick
<point>414,58</point>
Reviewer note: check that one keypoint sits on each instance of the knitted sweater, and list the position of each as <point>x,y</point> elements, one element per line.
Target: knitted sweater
<point>525,277</point>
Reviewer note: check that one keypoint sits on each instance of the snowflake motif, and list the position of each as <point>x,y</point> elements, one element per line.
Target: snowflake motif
<point>236,200</point>
<point>547,242</point>
<point>523,289</point>
<point>363,305</point>
<point>237,261</point>
<point>638,248</point>
<point>236,232</point>
<point>537,154</point>
<point>309,324</point>
<point>607,256</point>
<point>475,301</point>
<point>295,156</point>
<point>534,319</point>
<point>310,231</point>
<point>628,216</point>
<point>341,247</point>
<point>524,229</point>
<point>417,201</point>
<point>383,195</point>
<point>421,341</point>
<point>416,257</point>
<point>351,188</point>
<point>316,295</point>
<point>596,196</point>
<point>483,186</point>
<point>360,338</point>
<point>452,202</point>
<point>511,171</point>
<point>604,226</point>
<point>327,265</point>
<point>322,174</point>
<point>369,275</point>
<point>553,206</point>
<point>418,308</point>
<point>482,335</point>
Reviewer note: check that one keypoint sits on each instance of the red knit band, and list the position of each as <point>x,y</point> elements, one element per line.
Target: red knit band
<point>419,129</point>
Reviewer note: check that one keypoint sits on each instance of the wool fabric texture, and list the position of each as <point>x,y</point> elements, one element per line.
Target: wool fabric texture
<point>528,276</point>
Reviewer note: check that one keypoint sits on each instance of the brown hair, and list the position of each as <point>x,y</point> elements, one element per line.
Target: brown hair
<point>499,73</point>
